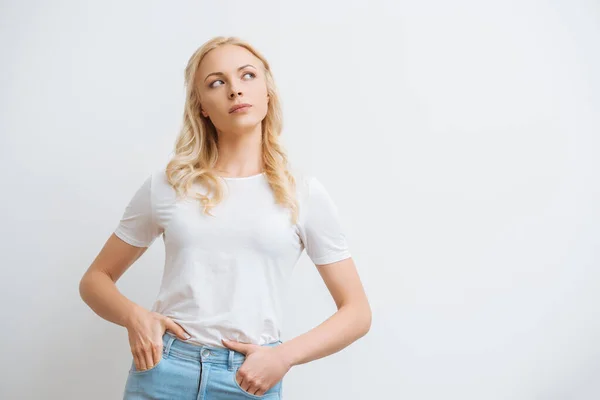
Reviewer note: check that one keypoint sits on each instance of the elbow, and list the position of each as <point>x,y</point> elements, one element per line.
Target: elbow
<point>82,287</point>
<point>85,286</point>
<point>361,316</point>
<point>364,319</point>
<point>368,318</point>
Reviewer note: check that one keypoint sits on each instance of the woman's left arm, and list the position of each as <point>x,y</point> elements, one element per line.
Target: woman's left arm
<point>265,366</point>
<point>350,322</point>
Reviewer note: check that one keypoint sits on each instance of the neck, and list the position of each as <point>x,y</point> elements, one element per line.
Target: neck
<point>240,153</point>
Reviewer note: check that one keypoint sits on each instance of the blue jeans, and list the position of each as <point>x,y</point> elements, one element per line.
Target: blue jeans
<point>187,371</point>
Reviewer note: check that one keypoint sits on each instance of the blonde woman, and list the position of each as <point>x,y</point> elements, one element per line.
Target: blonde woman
<point>234,220</point>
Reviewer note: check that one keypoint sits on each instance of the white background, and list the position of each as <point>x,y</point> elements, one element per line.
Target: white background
<point>457,138</point>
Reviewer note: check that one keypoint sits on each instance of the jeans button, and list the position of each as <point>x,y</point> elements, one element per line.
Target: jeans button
<point>205,353</point>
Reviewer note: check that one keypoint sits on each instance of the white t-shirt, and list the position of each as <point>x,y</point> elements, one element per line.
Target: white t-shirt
<point>226,276</point>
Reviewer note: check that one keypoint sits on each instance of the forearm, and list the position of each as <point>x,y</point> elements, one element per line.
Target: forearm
<point>348,324</point>
<point>101,294</point>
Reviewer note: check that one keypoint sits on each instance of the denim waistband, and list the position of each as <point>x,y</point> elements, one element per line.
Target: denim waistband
<point>206,354</point>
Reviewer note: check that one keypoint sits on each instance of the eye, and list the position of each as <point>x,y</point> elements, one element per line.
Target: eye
<point>212,84</point>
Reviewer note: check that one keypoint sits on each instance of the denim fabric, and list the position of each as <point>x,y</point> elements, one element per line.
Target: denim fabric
<point>187,371</point>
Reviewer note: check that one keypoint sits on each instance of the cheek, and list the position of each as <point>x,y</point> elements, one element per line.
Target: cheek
<point>258,88</point>
<point>261,98</point>
<point>264,107</point>
<point>211,105</point>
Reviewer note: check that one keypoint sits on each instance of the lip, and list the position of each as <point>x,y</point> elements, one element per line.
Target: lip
<point>239,106</point>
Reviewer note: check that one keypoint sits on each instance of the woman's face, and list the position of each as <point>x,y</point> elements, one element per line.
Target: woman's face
<point>222,84</point>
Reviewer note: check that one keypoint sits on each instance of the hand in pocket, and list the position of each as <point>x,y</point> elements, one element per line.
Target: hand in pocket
<point>262,369</point>
<point>145,332</point>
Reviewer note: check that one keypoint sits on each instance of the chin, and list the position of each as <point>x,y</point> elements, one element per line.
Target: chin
<point>244,126</point>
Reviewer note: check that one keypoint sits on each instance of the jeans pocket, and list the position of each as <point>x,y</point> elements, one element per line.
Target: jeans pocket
<point>134,370</point>
<point>272,393</point>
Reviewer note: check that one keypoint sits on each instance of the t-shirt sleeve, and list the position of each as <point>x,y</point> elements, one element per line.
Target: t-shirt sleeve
<point>138,225</point>
<point>321,231</point>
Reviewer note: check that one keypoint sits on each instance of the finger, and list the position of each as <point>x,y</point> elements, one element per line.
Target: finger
<point>248,386</point>
<point>136,362</point>
<point>177,329</point>
<point>245,385</point>
<point>157,354</point>
<point>141,361</point>
<point>261,392</point>
<point>149,359</point>
<point>243,348</point>
<point>239,380</point>
<point>258,392</point>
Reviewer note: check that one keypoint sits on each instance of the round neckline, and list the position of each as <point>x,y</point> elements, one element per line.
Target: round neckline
<point>241,178</point>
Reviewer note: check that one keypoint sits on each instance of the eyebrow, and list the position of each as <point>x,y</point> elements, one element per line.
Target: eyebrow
<point>220,73</point>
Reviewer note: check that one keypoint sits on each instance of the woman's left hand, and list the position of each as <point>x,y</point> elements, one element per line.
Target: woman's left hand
<point>262,368</point>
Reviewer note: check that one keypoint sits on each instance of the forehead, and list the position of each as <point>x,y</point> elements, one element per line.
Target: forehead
<point>226,58</point>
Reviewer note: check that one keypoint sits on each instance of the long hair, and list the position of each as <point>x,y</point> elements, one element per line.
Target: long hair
<point>196,148</point>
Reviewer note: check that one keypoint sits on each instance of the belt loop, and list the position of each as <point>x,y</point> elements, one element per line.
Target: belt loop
<point>230,360</point>
<point>167,347</point>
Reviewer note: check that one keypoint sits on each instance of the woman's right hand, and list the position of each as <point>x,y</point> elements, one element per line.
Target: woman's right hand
<point>146,330</point>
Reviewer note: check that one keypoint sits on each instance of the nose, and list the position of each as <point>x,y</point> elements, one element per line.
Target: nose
<point>235,93</point>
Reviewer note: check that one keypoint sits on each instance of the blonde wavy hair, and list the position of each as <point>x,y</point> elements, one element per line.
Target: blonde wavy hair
<point>196,147</point>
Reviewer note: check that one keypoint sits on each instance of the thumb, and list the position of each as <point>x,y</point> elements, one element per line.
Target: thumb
<point>245,348</point>
<point>176,329</point>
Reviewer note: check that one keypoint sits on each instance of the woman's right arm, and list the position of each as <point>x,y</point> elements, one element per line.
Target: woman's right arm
<point>98,290</point>
<point>98,287</point>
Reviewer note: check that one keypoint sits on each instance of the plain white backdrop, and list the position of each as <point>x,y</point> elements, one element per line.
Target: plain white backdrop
<point>457,139</point>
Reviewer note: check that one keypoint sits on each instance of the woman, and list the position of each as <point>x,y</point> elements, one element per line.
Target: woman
<point>234,220</point>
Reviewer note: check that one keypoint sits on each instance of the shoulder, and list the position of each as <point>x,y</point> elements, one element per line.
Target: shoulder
<point>311,193</point>
<point>305,180</point>
<point>309,186</point>
<point>161,189</point>
<point>159,176</point>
